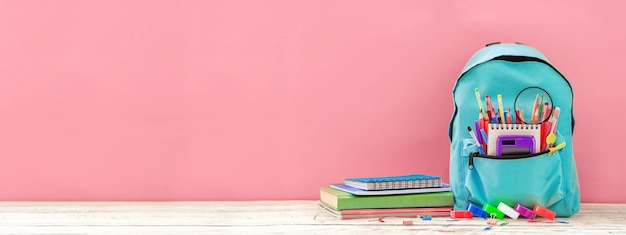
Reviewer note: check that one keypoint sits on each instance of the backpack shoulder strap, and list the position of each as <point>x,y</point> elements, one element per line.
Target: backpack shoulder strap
<point>495,50</point>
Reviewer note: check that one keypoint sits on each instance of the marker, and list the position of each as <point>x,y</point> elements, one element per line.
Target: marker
<point>484,135</point>
<point>478,134</point>
<point>528,213</point>
<point>485,139</point>
<point>553,121</point>
<point>480,147</point>
<point>493,211</point>
<point>508,211</point>
<point>501,108</point>
<point>544,212</point>
<point>458,214</point>
<point>481,118</point>
<point>480,102</point>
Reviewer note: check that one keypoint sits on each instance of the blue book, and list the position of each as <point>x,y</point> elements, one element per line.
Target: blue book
<point>395,182</point>
<point>361,192</point>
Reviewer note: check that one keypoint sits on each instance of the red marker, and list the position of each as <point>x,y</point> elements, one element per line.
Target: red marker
<point>544,212</point>
<point>461,214</point>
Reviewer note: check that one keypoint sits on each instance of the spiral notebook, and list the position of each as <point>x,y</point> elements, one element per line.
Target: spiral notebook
<point>394,182</point>
<point>510,130</point>
<point>361,192</point>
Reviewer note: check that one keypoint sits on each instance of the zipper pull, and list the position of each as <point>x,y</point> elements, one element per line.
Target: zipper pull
<point>555,148</point>
<point>471,160</point>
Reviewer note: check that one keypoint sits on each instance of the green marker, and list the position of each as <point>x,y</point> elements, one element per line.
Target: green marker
<point>492,210</point>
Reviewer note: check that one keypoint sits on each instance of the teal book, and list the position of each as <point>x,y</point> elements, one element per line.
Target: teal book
<point>340,200</point>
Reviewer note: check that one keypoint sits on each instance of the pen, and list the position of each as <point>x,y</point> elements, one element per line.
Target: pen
<point>480,147</point>
<point>500,108</point>
<point>480,102</point>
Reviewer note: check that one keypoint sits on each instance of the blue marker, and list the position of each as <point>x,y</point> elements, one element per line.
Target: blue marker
<point>476,210</point>
<point>484,135</point>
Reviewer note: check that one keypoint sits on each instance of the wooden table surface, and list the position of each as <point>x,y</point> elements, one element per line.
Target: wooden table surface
<point>266,217</point>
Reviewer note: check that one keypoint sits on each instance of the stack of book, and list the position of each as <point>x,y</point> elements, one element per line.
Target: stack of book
<point>391,196</point>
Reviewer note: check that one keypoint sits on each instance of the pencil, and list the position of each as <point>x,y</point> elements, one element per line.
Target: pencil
<point>532,115</point>
<point>480,102</point>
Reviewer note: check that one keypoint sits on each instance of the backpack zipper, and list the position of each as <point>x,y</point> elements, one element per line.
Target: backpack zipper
<point>503,157</point>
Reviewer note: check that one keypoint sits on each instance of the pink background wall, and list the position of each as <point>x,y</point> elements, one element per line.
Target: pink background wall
<point>237,100</point>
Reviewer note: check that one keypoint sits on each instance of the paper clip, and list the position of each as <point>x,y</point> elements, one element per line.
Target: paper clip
<point>492,219</point>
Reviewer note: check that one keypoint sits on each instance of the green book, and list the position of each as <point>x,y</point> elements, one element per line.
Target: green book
<point>340,200</point>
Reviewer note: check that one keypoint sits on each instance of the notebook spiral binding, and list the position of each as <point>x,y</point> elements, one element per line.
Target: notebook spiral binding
<point>406,183</point>
<point>515,126</point>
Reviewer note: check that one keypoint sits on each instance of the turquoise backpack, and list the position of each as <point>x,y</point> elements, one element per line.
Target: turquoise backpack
<point>547,177</point>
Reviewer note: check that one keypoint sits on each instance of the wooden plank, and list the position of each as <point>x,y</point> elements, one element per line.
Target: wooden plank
<point>254,217</point>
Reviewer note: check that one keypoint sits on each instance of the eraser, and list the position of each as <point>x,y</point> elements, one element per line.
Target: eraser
<point>528,213</point>
<point>508,211</point>
<point>427,217</point>
<point>476,210</point>
<point>544,212</point>
<point>492,210</point>
<point>458,214</point>
<point>407,222</point>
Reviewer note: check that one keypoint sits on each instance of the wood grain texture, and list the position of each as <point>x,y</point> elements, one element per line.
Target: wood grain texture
<point>263,217</point>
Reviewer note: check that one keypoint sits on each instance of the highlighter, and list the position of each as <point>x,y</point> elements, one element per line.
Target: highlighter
<point>501,108</point>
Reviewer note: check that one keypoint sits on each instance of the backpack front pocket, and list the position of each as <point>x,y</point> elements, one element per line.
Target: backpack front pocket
<point>523,179</point>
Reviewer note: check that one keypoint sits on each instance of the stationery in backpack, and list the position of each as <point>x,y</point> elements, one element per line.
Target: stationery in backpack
<point>394,182</point>
<point>499,131</point>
